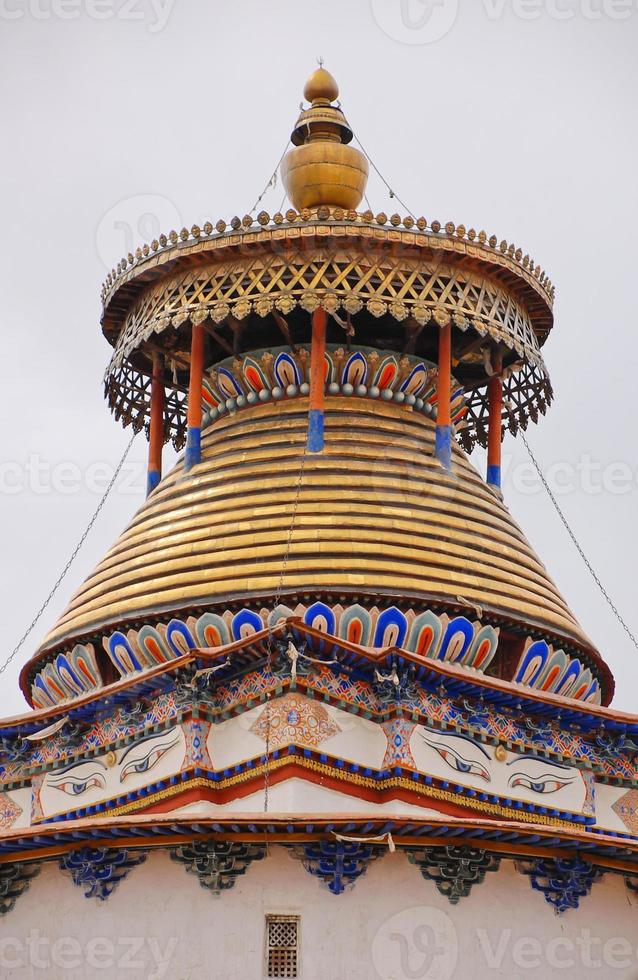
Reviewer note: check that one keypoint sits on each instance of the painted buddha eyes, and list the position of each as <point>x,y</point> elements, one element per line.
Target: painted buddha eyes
<point>532,774</point>
<point>75,787</point>
<point>456,761</point>
<point>151,758</point>
<point>547,783</point>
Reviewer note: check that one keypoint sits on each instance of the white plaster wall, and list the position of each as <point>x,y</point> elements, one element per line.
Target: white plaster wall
<point>299,796</point>
<point>392,926</point>
<point>357,739</point>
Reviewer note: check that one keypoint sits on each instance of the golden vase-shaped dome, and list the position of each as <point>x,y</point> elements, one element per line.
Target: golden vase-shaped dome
<point>322,169</point>
<point>376,515</point>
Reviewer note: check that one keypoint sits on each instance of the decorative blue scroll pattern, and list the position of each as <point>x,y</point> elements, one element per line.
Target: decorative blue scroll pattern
<point>14,881</point>
<point>218,864</point>
<point>563,882</point>
<point>338,864</point>
<point>98,870</point>
<point>454,869</point>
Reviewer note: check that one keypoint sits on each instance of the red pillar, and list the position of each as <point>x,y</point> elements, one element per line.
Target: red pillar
<point>156,425</point>
<point>443,436</point>
<point>193,453</point>
<point>494,433</point>
<point>317,382</point>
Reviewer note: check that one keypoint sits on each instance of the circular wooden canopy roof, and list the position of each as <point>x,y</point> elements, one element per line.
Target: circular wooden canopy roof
<point>392,279</point>
<point>377,517</point>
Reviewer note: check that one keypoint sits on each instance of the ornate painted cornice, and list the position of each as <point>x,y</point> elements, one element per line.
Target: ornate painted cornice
<point>457,639</point>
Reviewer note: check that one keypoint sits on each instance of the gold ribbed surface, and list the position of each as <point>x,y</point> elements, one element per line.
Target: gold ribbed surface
<point>376,514</point>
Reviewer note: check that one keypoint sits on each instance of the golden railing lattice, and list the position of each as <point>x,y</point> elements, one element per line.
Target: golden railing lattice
<point>343,279</point>
<point>350,279</point>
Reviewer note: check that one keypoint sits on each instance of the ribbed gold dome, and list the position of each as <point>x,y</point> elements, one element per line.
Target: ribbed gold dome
<point>376,515</point>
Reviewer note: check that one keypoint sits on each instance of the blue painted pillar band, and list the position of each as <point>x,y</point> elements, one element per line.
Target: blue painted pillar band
<point>494,476</point>
<point>193,453</point>
<point>152,479</point>
<point>443,445</point>
<point>315,430</point>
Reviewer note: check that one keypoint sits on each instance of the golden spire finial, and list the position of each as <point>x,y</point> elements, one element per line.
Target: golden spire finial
<point>322,168</point>
<point>321,86</point>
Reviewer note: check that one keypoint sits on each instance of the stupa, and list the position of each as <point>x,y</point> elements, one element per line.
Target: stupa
<point>322,674</point>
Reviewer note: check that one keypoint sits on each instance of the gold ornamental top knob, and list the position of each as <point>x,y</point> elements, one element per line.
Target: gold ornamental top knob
<point>321,86</point>
<point>322,169</point>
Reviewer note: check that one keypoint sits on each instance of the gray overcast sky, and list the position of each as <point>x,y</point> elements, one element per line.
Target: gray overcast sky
<point>124,117</point>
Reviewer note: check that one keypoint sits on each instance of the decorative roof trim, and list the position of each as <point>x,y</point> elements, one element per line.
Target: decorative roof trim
<point>294,225</point>
<point>254,647</point>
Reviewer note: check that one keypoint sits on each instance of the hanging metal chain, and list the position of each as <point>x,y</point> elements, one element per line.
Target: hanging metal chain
<point>277,598</point>
<point>66,568</point>
<point>272,180</point>
<point>580,551</point>
<point>291,530</point>
<point>267,766</point>
<point>391,192</point>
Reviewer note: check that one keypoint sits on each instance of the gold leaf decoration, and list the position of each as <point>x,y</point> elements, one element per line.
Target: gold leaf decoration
<point>398,309</point>
<point>241,309</point>
<point>352,304</point>
<point>264,306</point>
<point>421,313</point>
<point>441,317</point>
<point>309,301</point>
<point>330,303</point>
<point>377,307</point>
<point>285,303</point>
<point>219,312</point>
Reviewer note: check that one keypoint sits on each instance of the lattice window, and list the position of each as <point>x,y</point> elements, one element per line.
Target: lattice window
<point>282,946</point>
